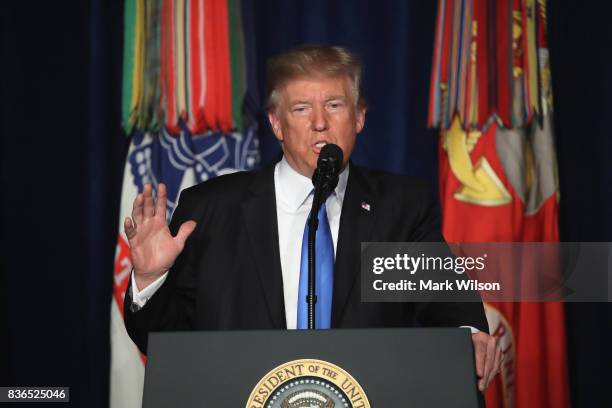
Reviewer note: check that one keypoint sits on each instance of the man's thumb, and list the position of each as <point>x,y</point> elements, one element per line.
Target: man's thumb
<point>184,231</point>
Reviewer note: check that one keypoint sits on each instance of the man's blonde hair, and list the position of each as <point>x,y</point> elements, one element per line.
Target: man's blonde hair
<point>313,61</point>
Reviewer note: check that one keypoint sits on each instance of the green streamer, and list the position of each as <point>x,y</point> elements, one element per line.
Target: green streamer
<point>128,63</point>
<point>236,61</point>
<point>148,109</point>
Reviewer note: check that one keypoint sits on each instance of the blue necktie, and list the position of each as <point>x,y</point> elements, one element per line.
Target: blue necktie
<point>324,250</point>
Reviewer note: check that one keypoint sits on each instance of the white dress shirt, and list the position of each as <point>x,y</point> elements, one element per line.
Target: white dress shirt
<point>293,203</point>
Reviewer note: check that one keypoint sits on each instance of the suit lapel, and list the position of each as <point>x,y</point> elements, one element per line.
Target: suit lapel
<point>356,222</point>
<point>259,214</point>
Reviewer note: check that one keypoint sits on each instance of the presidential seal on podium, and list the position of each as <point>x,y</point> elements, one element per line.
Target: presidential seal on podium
<point>307,384</point>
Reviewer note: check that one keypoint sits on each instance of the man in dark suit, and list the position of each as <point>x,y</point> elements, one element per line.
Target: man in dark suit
<point>240,267</point>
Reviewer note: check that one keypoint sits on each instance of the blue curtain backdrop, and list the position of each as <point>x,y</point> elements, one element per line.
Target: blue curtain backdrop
<point>63,151</point>
<point>62,163</point>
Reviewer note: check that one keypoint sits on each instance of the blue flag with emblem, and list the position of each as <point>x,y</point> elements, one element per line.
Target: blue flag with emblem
<point>179,162</point>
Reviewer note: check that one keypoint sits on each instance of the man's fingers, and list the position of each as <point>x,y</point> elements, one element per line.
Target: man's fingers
<point>149,209</point>
<point>137,209</point>
<point>489,360</point>
<point>496,364</point>
<point>480,353</point>
<point>129,228</point>
<point>160,206</point>
<point>184,231</point>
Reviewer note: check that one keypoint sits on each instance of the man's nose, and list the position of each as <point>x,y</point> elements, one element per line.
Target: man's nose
<point>320,121</point>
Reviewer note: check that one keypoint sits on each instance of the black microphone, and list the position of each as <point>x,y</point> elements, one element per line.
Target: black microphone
<point>324,179</point>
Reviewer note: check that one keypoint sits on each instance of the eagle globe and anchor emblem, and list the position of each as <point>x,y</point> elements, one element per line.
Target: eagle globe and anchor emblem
<point>308,383</point>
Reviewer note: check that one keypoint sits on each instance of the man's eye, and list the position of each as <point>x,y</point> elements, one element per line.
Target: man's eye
<point>335,105</point>
<point>299,109</point>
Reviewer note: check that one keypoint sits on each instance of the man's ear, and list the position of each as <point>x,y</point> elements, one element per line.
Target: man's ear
<point>276,125</point>
<point>360,118</point>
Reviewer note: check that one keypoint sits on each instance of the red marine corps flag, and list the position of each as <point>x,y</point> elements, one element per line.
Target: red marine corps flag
<point>491,98</point>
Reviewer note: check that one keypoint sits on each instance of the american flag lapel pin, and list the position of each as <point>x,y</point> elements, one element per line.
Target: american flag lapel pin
<point>365,206</point>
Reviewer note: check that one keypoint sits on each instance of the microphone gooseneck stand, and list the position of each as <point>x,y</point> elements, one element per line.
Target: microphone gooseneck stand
<point>325,180</point>
<point>313,224</point>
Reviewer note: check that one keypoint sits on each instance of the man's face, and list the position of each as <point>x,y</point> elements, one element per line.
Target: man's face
<point>311,113</point>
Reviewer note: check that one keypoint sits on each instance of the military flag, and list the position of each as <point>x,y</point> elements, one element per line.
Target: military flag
<point>188,110</point>
<point>491,98</point>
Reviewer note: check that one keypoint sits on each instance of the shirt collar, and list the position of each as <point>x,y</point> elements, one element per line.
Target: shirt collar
<point>294,188</point>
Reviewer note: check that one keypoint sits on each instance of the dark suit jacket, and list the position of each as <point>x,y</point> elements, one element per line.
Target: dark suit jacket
<point>229,274</point>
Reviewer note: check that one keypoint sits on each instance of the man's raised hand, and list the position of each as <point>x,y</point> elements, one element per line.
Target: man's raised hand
<point>153,247</point>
